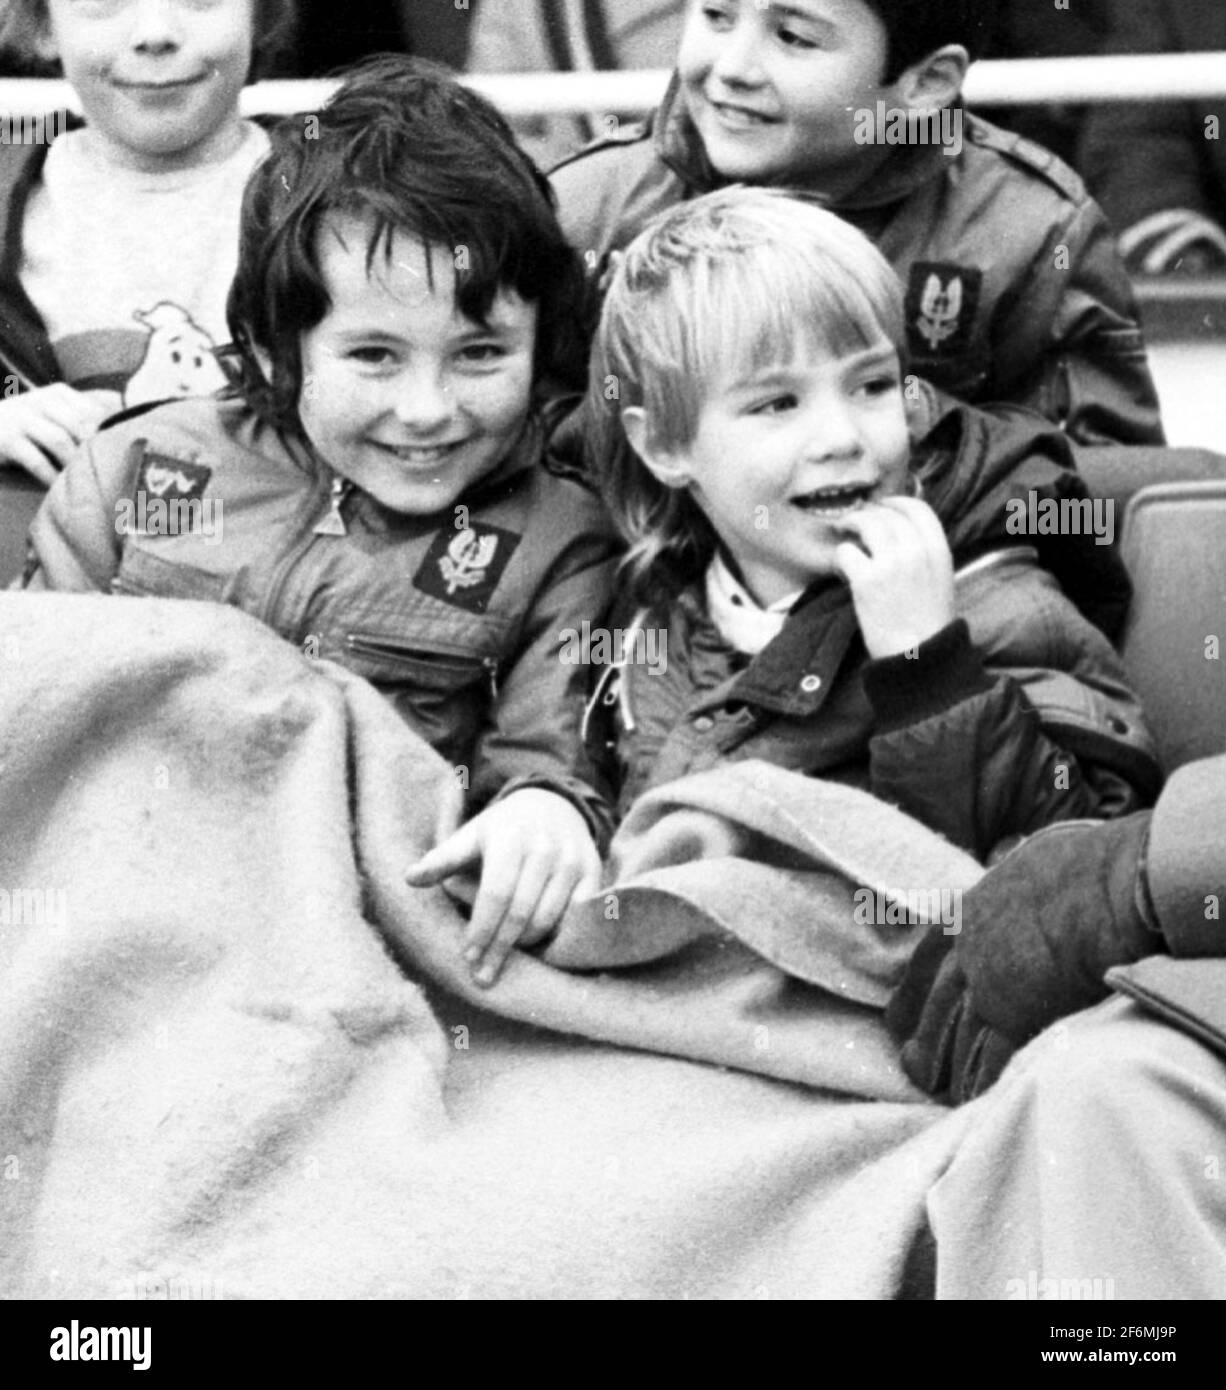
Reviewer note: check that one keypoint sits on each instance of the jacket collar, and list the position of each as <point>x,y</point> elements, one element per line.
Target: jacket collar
<point>677,143</point>
<point>795,672</point>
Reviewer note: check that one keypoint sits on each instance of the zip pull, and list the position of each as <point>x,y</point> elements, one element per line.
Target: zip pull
<point>491,671</point>
<point>333,524</point>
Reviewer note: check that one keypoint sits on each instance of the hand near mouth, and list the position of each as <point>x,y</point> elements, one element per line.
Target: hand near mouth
<point>901,573</point>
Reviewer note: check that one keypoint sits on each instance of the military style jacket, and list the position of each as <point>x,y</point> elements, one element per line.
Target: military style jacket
<point>1014,289</point>
<point>457,617</point>
<point>1017,714</point>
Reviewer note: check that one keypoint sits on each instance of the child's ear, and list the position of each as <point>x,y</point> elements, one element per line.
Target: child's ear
<point>935,81</point>
<point>664,467</point>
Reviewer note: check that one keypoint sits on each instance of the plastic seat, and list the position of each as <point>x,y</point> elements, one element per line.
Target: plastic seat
<point>1174,644</point>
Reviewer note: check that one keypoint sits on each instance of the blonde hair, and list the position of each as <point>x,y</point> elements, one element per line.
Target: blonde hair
<point>714,289</point>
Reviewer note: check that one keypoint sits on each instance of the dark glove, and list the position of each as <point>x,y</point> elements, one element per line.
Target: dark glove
<point>948,1050</point>
<point>1041,929</point>
<point>1037,935</point>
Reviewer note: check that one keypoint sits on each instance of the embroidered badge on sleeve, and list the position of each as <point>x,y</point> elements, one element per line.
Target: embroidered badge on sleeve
<point>168,498</point>
<point>463,567</point>
<point>942,301</point>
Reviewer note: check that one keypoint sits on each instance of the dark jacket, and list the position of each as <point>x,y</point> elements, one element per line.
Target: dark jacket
<point>1045,314</point>
<point>458,625</point>
<point>1015,715</point>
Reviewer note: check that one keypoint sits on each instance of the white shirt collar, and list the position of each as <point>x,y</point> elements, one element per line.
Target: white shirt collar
<point>738,617</point>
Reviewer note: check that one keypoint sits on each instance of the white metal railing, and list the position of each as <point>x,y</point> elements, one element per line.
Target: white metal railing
<point>1023,81</point>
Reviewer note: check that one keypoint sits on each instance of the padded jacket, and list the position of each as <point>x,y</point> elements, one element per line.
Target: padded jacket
<point>1014,289</point>
<point>456,617</point>
<point>1015,715</point>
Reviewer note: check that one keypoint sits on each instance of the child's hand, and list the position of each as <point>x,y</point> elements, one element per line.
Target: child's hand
<point>40,429</point>
<point>536,853</point>
<point>900,571</point>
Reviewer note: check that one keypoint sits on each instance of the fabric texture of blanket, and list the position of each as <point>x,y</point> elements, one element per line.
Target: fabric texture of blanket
<point>240,1057</point>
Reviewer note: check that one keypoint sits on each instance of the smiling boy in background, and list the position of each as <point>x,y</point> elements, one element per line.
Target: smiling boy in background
<point>1014,290</point>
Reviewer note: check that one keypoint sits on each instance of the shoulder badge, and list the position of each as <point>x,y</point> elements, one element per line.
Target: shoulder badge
<point>942,301</point>
<point>463,567</point>
<point>168,495</point>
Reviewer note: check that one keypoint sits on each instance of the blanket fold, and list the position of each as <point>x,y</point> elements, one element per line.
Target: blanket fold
<point>239,1056</point>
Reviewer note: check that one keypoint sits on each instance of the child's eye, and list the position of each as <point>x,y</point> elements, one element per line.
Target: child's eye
<point>483,353</point>
<point>792,38</point>
<point>775,405</point>
<point>371,356</point>
<point>717,16</point>
<point>880,385</point>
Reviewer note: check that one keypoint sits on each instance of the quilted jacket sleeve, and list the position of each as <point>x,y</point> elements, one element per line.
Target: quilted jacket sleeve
<point>1015,716</point>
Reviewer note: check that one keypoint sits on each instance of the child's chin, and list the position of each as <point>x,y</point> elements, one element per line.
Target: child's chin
<point>417,502</point>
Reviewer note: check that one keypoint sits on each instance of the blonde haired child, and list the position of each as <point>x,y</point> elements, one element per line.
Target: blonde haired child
<point>750,432</point>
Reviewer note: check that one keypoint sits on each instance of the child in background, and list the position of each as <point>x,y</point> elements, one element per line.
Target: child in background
<point>373,490</point>
<point>120,238</point>
<point>1014,290</point>
<point>802,562</point>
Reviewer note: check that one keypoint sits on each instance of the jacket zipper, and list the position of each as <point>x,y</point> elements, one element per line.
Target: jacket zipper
<point>337,494</point>
<point>356,642</point>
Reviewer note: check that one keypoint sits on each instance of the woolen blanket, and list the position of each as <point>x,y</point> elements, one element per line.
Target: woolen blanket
<point>239,1056</point>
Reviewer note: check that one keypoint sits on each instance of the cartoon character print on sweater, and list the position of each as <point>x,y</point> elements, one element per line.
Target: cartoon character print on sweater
<point>180,357</point>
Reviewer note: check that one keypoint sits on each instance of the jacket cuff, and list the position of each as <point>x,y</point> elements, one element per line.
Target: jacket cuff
<point>942,672</point>
<point>586,800</point>
<point>1185,866</point>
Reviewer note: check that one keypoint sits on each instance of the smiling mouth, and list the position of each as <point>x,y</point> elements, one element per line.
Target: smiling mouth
<point>740,117</point>
<point>830,503</point>
<point>177,85</point>
<point>418,455</point>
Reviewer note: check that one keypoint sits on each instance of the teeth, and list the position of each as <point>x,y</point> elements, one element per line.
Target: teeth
<point>834,499</point>
<point>420,455</point>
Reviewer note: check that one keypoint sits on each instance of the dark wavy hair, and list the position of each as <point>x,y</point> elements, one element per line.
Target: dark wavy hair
<point>916,28</point>
<point>406,149</point>
<point>22,21</point>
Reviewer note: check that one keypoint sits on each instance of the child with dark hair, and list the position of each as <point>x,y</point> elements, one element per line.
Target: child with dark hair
<point>1014,290</point>
<point>373,488</point>
<point>119,236</point>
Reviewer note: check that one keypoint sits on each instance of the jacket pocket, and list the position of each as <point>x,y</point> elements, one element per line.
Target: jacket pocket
<point>386,661</point>
<point>143,575</point>
<point>443,693</point>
